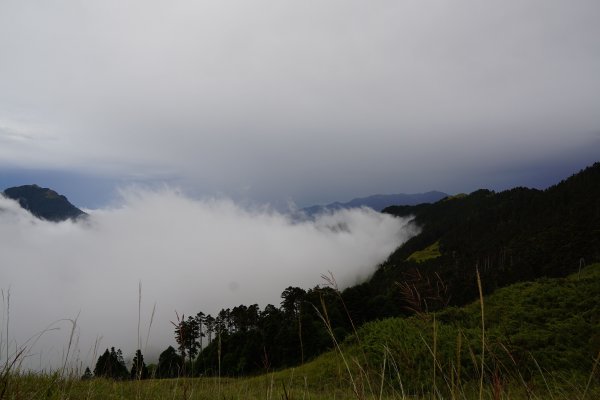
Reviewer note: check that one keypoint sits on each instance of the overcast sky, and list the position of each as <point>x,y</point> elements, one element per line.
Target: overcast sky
<point>224,111</point>
<point>309,101</point>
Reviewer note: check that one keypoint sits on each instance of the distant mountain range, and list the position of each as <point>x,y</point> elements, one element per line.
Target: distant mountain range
<point>47,204</point>
<point>378,202</point>
<point>44,203</point>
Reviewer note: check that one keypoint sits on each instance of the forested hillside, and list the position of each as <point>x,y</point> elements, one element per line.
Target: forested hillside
<point>516,235</point>
<point>513,236</point>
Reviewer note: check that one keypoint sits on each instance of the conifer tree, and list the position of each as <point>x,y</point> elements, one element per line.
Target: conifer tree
<point>139,369</point>
<point>111,365</point>
<point>187,333</point>
<point>169,364</point>
<point>87,375</point>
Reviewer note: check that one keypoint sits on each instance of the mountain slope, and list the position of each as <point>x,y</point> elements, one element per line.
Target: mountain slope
<point>547,324</point>
<point>542,346</point>
<point>379,201</point>
<point>516,235</point>
<point>44,203</point>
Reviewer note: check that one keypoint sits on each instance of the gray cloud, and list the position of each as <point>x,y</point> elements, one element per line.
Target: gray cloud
<point>299,99</point>
<point>189,255</point>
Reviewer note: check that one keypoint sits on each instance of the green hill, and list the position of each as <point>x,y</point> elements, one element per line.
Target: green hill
<point>545,332</point>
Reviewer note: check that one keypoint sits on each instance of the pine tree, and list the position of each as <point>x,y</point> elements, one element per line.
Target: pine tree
<point>209,323</point>
<point>111,365</point>
<point>103,365</point>
<point>139,369</point>
<point>187,333</point>
<point>87,375</point>
<point>200,320</point>
<point>169,364</point>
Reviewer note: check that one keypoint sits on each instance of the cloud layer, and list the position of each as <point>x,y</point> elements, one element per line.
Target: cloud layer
<point>189,256</point>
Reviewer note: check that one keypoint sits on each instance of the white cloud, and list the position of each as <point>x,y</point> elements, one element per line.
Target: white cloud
<point>189,255</point>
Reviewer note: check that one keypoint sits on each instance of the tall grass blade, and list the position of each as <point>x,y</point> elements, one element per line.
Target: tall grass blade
<point>482,334</point>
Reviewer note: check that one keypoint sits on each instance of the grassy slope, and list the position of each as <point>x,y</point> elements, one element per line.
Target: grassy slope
<point>541,341</point>
<point>541,337</point>
<point>549,324</point>
<point>428,253</point>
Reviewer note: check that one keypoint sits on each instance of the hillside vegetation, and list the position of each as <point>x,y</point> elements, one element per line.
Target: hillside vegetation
<point>541,338</point>
<point>512,236</point>
<point>549,325</point>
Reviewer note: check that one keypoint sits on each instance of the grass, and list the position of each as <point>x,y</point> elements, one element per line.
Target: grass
<point>534,340</point>
<point>428,253</point>
<point>283,385</point>
<point>306,382</point>
<point>545,332</point>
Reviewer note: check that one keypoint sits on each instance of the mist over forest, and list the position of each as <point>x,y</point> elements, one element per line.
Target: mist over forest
<point>188,255</point>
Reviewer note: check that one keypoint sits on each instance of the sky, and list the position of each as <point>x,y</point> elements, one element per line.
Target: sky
<point>307,102</point>
<point>179,124</point>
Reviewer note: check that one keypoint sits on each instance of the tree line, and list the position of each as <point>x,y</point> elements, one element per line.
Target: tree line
<point>111,365</point>
<point>246,339</point>
<point>242,340</point>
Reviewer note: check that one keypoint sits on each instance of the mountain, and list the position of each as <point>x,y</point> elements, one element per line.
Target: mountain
<point>378,202</point>
<point>483,239</point>
<point>513,236</point>
<point>44,203</point>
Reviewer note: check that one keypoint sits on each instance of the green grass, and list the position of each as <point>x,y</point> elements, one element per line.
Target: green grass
<point>428,253</point>
<point>289,384</point>
<point>298,383</point>
<point>550,326</point>
<point>542,341</point>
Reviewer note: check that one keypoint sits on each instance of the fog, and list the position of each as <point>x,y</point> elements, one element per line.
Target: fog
<point>187,255</point>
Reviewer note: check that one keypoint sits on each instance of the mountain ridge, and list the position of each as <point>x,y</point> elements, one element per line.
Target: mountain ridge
<point>44,203</point>
<point>512,236</point>
<point>378,202</point>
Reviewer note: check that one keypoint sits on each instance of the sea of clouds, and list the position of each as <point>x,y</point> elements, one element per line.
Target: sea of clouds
<point>187,255</point>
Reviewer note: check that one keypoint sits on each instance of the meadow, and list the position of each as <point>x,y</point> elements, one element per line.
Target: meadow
<point>531,340</point>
